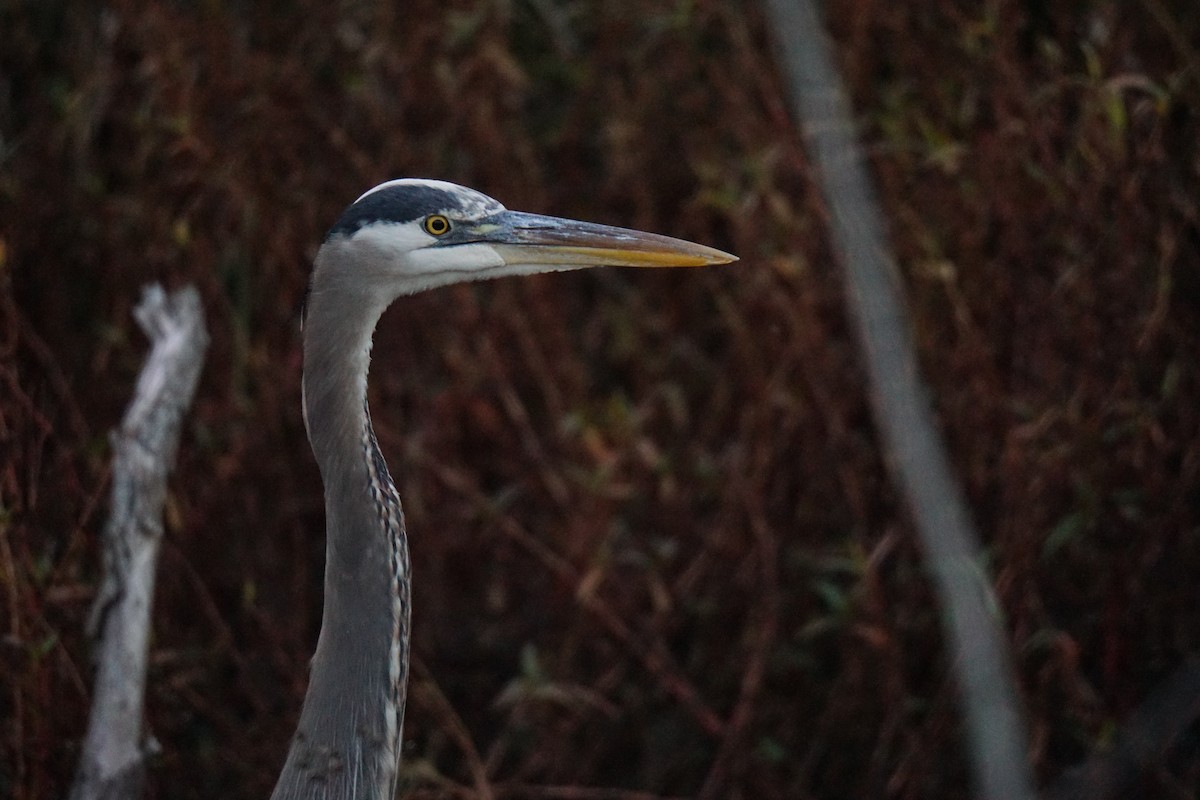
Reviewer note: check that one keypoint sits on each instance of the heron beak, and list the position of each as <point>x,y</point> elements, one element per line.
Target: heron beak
<point>536,240</point>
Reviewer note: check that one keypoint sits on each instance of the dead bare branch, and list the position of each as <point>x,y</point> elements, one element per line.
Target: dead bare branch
<point>112,764</point>
<point>1141,743</point>
<point>916,454</point>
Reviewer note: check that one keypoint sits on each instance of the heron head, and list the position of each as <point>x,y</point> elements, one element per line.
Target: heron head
<point>408,235</point>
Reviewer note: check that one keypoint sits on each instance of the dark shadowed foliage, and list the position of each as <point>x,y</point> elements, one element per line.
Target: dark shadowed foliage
<point>655,553</point>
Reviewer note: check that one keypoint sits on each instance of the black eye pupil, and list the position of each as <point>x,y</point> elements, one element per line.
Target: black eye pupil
<point>437,225</point>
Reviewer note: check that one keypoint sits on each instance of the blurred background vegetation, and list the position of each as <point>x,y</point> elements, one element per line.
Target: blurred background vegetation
<point>655,551</point>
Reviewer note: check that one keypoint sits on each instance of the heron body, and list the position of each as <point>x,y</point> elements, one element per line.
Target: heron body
<point>402,237</point>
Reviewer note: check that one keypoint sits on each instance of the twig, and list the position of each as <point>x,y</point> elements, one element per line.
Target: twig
<point>1183,47</point>
<point>654,657</point>
<point>1141,742</point>
<point>767,554</point>
<point>902,413</point>
<point>112,764</point>
<point>517,790</point>
<point>453,725</point>
<point>14,630</point>
<point>510,400</point>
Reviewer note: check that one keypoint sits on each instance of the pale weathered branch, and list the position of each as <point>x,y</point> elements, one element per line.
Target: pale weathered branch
<point>902,413</point>
<point>1140,744</point>
<point>112,764</point>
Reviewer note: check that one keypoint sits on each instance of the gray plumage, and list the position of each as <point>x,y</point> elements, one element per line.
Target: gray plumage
<point>391,242</point>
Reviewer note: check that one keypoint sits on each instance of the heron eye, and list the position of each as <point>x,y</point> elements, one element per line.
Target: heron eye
<point>437,225</point>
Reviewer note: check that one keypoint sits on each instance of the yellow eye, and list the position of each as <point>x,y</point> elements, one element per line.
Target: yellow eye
<point>437,225</point>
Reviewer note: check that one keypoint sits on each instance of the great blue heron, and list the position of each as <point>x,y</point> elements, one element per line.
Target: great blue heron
<point>401,237</point>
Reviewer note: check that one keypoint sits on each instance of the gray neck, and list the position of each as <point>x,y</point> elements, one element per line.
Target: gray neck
<point>347,741</point>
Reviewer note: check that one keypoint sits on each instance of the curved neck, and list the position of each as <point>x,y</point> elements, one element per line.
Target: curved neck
<point>347,741</point>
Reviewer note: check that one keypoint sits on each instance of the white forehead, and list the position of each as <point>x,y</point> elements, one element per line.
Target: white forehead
<point>468,201</point>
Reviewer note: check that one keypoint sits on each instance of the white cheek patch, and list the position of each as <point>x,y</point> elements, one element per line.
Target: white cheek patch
<point>408,251</point>
<point>391,239</point>
<point>456,263</point>
<point>403,259</point>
